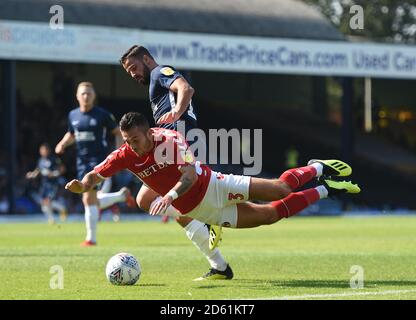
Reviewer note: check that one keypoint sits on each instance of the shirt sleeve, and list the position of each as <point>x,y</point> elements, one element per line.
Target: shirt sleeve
<point>110,121</point>
<point>172,149</point>
<point>167,75</point>
<point>183,154</point>
<point>111,165</point>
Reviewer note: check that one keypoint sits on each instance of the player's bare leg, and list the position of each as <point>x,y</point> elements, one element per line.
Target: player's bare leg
<point>267,189</point>
<point>47,210</point>
<point>252,215</point>
<point>90,201</point>
<point>285,202</point>
<point>195,230</point>
<point>61,208</point>
<point>145,197</point>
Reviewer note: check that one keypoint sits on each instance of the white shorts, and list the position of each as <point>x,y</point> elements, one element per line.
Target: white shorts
<point>219,206</point>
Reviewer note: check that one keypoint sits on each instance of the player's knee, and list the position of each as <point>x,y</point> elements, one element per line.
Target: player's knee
<point>183,221</point>
<point>282,189</point>
<point>89,198</point>
<point>143,203</point>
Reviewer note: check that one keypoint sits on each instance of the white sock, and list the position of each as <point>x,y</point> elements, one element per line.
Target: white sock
<point>319,168</point>
<point>106,185</point>
<point>91,219</point>
<point>323,192</point>
<point>47,210</point>
<point>198,233</point>
<point>106,200</point>
<point>170,211</point>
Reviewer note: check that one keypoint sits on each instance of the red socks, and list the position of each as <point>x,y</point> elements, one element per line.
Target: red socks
<point>297,177</point>
<point>295,202</point>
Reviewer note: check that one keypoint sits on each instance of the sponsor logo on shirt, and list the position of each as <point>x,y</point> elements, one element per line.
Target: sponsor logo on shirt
<point>152,169</point>
<point>167,71</point>
<point>84,136</point>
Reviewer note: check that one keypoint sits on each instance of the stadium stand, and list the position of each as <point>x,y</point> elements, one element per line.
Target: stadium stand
<point>275,109</point>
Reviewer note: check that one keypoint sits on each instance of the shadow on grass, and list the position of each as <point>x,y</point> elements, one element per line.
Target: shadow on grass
<point>49,255</point>
<point>212,286</point>
<point>252,283</point>
<point>150,285</point>
<point>266,284</point>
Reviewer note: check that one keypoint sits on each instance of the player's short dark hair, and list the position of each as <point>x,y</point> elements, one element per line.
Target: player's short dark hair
<point>133,119</point>
<point>136,52</point>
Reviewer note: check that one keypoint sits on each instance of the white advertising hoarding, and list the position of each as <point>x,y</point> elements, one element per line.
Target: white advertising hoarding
<point>95,44</point>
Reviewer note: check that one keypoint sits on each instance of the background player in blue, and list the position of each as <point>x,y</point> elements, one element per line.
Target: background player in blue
<point>87,126</point>
<point>49,168</point>
<point>171,101</point>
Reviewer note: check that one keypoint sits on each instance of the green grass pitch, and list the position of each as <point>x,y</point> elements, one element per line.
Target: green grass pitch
<point>300,258</point>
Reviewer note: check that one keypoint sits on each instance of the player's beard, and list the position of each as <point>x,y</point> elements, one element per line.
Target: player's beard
<point>145,149</point>
<point>145,80</point>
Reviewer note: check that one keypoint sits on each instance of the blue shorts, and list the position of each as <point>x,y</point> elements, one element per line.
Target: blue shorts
<point>48,190</point>
<point>182,126</point>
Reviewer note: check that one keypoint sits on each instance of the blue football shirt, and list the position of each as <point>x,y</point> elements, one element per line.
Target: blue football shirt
<point>90,131</point>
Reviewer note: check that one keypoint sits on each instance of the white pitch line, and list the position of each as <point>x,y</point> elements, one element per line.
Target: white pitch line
<point>335,295</point>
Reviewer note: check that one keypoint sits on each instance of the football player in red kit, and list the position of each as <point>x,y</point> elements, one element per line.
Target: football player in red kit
<point>162,160</point>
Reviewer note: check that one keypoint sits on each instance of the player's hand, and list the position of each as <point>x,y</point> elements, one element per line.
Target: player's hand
<point>169,117</point>
<point>59,149</point>
<point>32,174</point>
<point>75,186</point>
<point>161,206</point>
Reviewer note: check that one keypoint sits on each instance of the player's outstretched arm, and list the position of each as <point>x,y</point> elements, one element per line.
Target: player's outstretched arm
<point>66,141</point>
<point>184,93</point>
<point>32,174</point>
<point>185,183</point>
<point>90,180</point>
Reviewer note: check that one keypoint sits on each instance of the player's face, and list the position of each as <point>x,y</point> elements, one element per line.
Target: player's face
<point>138,70</point>
<point>141,142</point>
<point>44,151</point>
<point>85,96</point>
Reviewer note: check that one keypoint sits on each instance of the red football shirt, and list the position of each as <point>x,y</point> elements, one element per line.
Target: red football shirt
<point>159,169</point>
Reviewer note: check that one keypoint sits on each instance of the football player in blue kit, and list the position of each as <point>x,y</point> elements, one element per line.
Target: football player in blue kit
<point>87,127</point>
<point>49,168</point>
<point>170,97</point>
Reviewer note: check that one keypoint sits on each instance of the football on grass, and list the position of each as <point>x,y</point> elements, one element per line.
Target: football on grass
<point>123,269</point>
